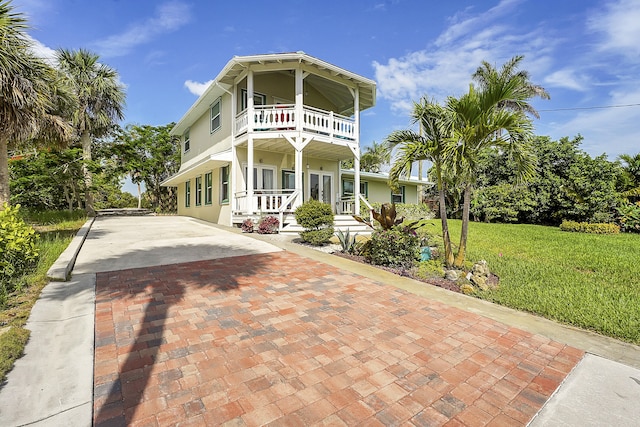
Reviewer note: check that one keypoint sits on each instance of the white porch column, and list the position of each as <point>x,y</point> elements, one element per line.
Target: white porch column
<point>250,202</point>
<point>298,173</point>
<point>299,98</point>
<point>234,155</point>
<point>356,160</point>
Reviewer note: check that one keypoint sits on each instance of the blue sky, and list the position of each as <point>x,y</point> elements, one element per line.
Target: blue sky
<point>586,53</point>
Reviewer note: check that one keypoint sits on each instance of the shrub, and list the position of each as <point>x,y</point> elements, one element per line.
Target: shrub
<point>17,246</point>
<point>394,247</point>
<point>410,211</point>
<point>268,225</point>
<point>430,269</point>
<point>629,217</point>
<point>594,228</point>
<point>317,220</point>
<point>247,226</point>
<point>347,241</point>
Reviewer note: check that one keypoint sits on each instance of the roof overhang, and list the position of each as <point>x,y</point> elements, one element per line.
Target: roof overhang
<point>198,167</point>
<point>385,177</point>
<point>238,65</point>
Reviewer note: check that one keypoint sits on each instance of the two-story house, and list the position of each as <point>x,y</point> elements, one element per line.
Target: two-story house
<point>268,134</point>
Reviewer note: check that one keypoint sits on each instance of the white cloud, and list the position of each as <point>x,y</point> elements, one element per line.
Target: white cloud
<point>568,79</point>
<point>620,24</point>
<point>168,17</point>
<point>44,52</point>
<point>197,88</point>
<point>445,67</point>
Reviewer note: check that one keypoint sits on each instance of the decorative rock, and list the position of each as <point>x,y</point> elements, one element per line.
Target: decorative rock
<point>480,275</point>
<point>451,275</point>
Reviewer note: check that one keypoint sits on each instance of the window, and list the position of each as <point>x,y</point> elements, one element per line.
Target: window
<point>215,115</point>
<point>187,142</point>
<point>224,184</point>
<point>208,188</point>
<point>258,99</point>
<point>398,196</point>
<point>347,188</point>
<point>263,177</point>
<point>288,180</point>
<point>198,190</point>
<point>187,194</point>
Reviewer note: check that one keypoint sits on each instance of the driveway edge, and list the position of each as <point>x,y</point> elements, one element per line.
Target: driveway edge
<point>60,269</point>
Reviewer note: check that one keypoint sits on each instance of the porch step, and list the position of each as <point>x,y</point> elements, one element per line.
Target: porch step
<point>340,222</point>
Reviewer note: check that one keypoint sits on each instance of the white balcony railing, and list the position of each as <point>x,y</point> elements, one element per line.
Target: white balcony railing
<point>269,118</point>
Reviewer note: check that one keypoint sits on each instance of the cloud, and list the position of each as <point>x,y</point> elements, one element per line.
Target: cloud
<point>168,17</point>
<point>620,25</point>
<point>568,79</point>
<point>44,52</point>
<point>444,68</point>
<point>197,88</point>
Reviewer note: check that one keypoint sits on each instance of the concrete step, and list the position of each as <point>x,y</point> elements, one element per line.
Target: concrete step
<point>341,222</point>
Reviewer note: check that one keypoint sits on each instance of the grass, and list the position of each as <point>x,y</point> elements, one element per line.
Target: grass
<point>586,280</point>
<point>56,231</point>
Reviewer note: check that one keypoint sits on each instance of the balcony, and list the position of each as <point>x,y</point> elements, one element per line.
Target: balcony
<point>277,118</point>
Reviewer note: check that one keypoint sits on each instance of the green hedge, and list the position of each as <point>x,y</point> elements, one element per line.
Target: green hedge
<point>593,228</point>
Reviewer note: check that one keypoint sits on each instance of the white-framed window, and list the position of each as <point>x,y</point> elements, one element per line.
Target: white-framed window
<point>398,195</point>
<point>215,115</point>
<point>208,188</point>
<point>264,177</point>
<point>348,184</point>
<point>258,99</point>
<point>224,184</point>
<point>198,190</point>
<point>187,141</point>
<point>187,194</point>
<point>288,179</point>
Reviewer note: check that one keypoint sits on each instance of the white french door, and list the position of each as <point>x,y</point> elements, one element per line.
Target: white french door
<point>320,187</point>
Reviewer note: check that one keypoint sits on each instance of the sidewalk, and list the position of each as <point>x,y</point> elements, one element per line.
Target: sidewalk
<point>142,262</point>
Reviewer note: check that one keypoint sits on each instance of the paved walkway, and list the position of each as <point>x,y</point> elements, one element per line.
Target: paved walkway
<point>200,325</point>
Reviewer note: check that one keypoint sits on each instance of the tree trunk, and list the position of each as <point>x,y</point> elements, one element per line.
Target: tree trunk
<point>67,197</point>
<point>85,138</point>
<point>448,252</point>
<point>139,197</point>
<point>4,173</point>
<point>466,207</point>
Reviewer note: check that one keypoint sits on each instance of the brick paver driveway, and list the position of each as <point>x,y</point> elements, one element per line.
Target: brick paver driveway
<point>278,338</point>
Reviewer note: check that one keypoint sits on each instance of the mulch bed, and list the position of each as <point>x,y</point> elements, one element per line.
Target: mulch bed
<point>440,282</point>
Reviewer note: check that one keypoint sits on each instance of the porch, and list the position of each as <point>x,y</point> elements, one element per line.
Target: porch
<point>282,204</point>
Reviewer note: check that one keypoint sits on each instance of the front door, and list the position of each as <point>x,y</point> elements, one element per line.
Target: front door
<point>321,186</point>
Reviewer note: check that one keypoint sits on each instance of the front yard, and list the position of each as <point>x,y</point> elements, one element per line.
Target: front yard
<point>586,280</point>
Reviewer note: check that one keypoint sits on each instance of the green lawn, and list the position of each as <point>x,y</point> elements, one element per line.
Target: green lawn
<point>56,232</point>
<point>586,280</point>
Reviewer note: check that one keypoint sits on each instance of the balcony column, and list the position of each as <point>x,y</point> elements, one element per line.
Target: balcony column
<point>298,175</point>
<point>251,205</point>
<point>299,77</point>
<point>356,160</point>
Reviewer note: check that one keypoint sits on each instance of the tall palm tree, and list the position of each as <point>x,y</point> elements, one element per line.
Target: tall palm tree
<point>479,121</point>
<point>101,100</point>
<point>33,96</point>
<point>429,144</point>
<point>488,77</point>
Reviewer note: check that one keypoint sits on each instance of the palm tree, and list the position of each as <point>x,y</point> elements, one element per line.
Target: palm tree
<point>487,77</point>
<point>632,167</point>
<point>479,121</point>
<point>429,144</point>
<point>33,95</point>
<point>101,100</point>
<point>374,157</point>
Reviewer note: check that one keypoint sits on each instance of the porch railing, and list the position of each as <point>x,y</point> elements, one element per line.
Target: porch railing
<point>266,201</point>
<point>283,117</point>
<point>347,205</point>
